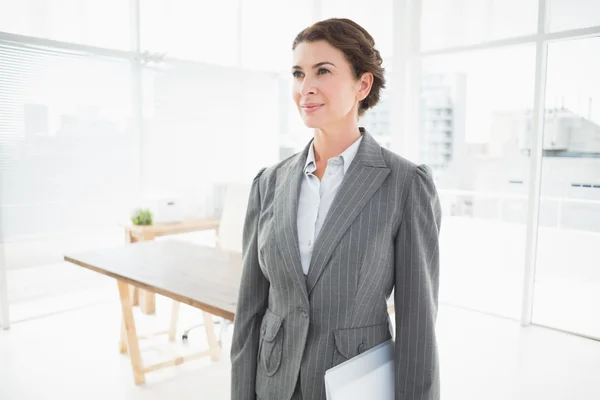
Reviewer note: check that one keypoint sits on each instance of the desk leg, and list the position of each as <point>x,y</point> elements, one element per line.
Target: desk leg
<point>147,302</point>
<point>134,295</point>
<point>131,333</point>
<point>174,319</point>
<point>123,340</point>
<point>213,343</point>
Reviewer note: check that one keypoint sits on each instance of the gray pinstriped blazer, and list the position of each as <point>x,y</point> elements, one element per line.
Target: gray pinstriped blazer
<point>381,233</point>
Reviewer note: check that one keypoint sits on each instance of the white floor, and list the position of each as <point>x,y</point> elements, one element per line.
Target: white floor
<point>74,354</point>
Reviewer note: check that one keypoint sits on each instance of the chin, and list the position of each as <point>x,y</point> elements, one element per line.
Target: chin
<point>315,123</point>
<point>312,124</point>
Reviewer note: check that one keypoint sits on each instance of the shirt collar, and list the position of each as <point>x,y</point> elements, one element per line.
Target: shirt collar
<point>347,156</point>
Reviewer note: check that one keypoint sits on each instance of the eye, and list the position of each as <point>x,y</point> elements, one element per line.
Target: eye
<point>323,71</point>
<point>297,74</point>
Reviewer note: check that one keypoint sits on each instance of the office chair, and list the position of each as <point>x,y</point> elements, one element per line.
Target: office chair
<point>229,235</point>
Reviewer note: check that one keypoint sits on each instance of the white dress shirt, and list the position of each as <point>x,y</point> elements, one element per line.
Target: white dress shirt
<point>316,197</point>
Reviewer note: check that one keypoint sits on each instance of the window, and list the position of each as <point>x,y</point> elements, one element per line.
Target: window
<point>73,21</point>
<point>475,108</point>
<point>266,41</point>
<point>569,224</point>
<point>64,116</point>
<point>572,14</point>
<point>205,31</point>
<point>452,23</point>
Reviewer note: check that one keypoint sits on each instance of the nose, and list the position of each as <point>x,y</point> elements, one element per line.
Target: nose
<point>307,87</point>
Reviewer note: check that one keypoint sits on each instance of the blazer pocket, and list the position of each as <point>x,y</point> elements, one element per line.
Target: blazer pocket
<point>271,343</point>
<point>351,342</point>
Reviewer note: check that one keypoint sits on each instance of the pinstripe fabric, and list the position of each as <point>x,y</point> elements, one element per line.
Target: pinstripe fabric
<point>381,233</point>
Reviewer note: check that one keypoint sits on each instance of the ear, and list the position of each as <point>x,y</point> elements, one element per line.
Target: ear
<point>366,83</point>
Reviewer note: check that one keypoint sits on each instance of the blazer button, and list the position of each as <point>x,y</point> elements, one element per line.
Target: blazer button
<point>361,348</point>
<point>303,311</point>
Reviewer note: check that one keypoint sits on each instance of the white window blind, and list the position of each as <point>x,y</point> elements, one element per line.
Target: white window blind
<point>67,152</point>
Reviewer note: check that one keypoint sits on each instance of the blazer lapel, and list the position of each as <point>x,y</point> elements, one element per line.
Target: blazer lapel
<point>287,191</point>
<point>364,177</point>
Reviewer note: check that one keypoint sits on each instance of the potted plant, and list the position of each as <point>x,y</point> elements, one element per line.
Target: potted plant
<point>142,216</point>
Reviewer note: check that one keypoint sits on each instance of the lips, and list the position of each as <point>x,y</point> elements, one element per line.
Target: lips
<point>311,107</point>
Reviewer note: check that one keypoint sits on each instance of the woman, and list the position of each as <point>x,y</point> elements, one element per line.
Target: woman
<point>330,232</point>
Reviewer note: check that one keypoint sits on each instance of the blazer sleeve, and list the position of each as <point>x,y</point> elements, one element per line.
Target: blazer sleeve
<point>416,291</point>
<point>251,305</point>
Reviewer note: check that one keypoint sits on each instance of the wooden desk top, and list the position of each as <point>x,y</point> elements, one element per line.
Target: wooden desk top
<point>201,276</point>
<point>185,226</point>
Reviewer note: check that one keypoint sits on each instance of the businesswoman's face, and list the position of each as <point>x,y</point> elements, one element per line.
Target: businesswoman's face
<point>325,90</point>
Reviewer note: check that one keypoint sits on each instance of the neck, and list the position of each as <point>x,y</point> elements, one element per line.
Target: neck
<point>331,142</point>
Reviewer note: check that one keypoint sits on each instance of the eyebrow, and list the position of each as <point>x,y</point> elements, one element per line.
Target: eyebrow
<point>317,65</point>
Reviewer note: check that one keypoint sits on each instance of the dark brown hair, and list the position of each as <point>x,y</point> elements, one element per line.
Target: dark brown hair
<point>358,47</point>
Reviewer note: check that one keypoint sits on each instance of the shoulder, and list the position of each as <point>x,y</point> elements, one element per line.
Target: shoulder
<point>267,176</point>
<point>405,170</point>
<point>416,187</point>
<point>269,173</point>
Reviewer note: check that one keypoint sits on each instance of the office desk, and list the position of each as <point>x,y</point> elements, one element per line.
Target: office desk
<point>139,233</point>
<point>203,277</point>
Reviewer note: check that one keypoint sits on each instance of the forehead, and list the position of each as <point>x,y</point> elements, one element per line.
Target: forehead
<point>307,54</point>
